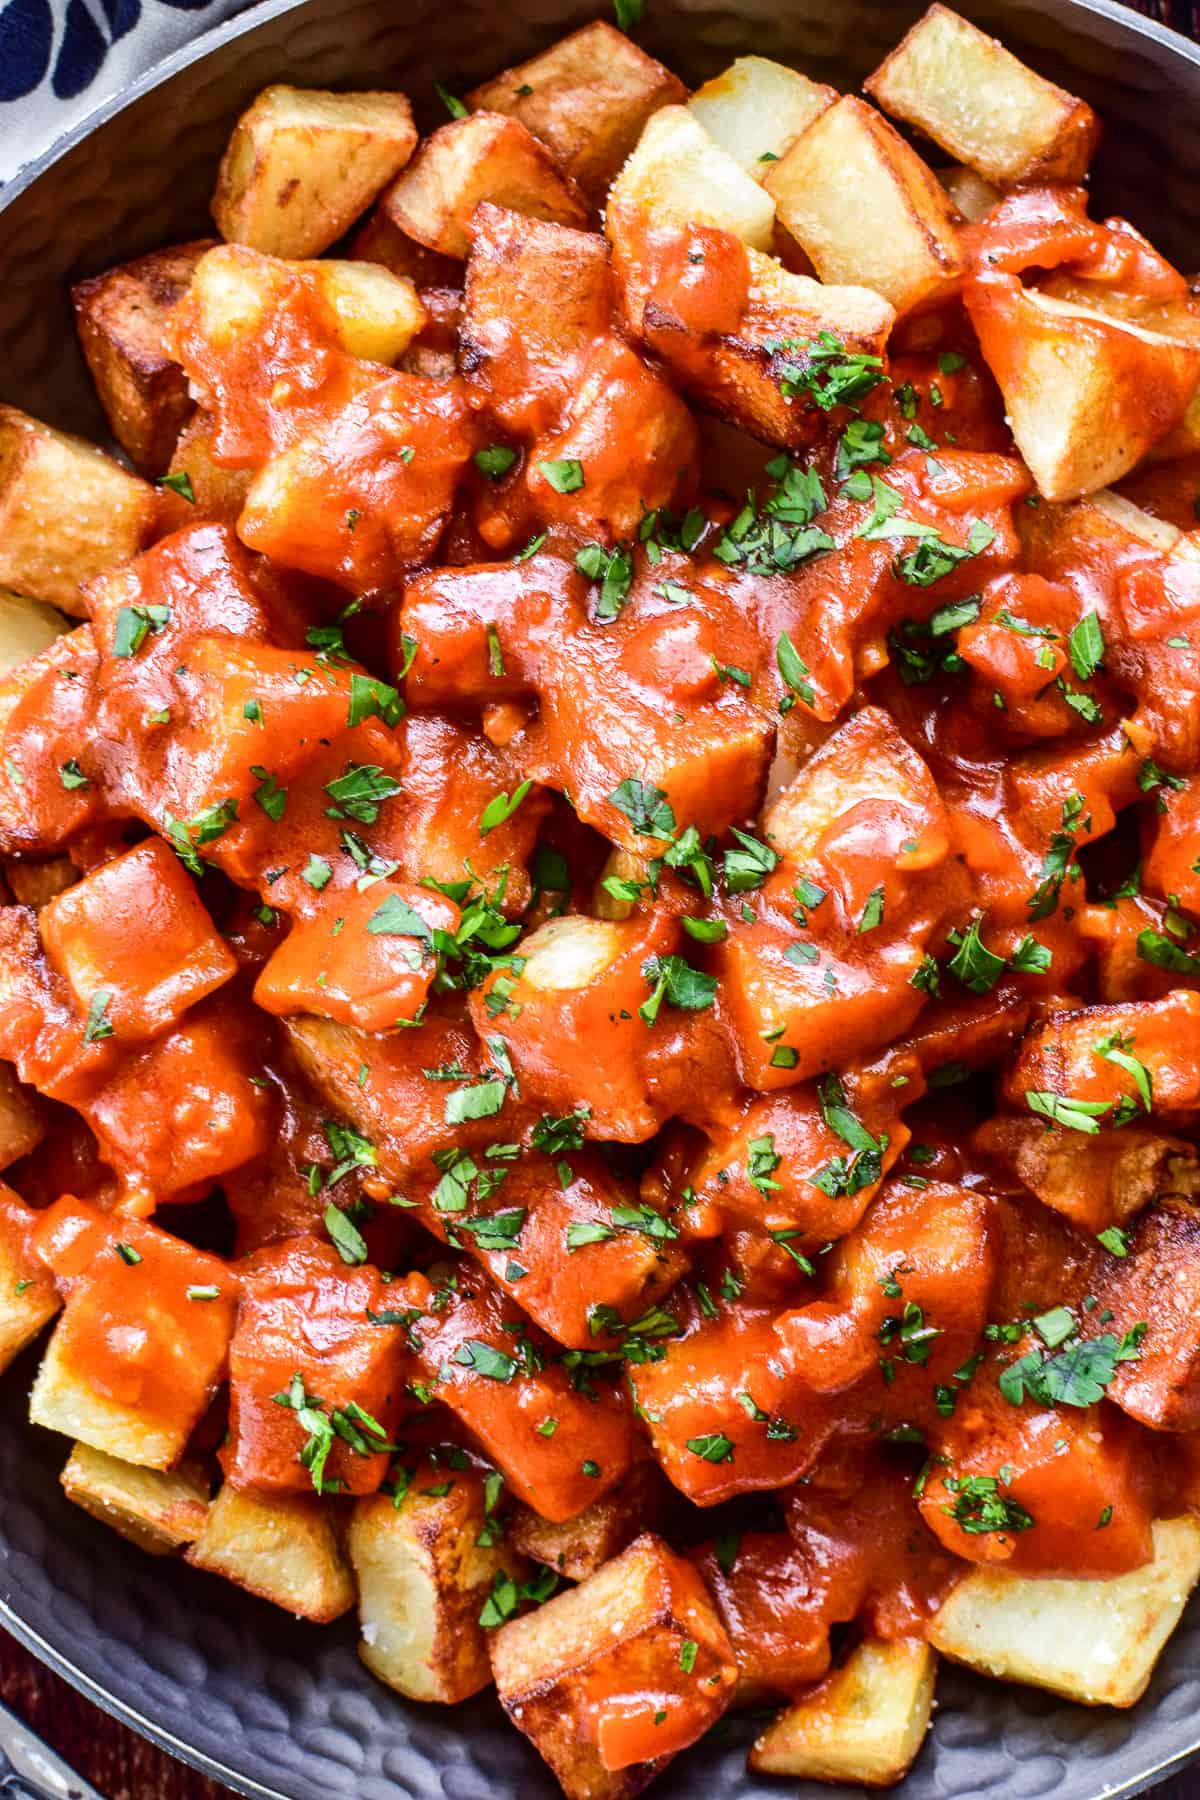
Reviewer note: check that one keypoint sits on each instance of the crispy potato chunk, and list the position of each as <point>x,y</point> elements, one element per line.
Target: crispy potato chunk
<point>302,164</point>
<point>423,1578</point>
<point>38,814</point>
<point>537,298</point>
<point>740,375</point>
<point>67,511</point>
<point>351,1363</point>
<point>865,208</point>
<point>346,503</point>
<point>1157,1283</point>
<point>976,100</point>
<point>380,241</point>
<point>1096,1182</point>
<point>1059,1059</point>
<point>582,982</point>
<point>137,1394</point>
<point>136,928</point>
<point>484,157</point>
<point>578,1547</point>
<point>366,311</point>
<point>1094,1641</point>
<point>611,1679</point>
<point>26,628</point>
<point>218,495</point>
<point>159,1510</point>
<point>21,1128</point>
<point>1086,393</point>
<point>971,194</point>
<point>863,1723</point>
<point>587,98</point>
<point>286,1552</point>
<point>28,1297</point>
<point>756,109</point>
<point>865,770</point>
<point>679,175</point>
<point>37,884</point>
<point>120,317</point>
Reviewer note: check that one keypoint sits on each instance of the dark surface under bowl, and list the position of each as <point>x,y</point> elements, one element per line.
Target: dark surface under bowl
<point>279,1708</point>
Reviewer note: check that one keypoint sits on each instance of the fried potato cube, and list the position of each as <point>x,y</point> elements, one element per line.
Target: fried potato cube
<point>159,1510</point>
<point>946,1242</point>
<point>44,717</point>
<point>185,1109</point>
<point>866,761</point>
<point>865,1722</point>
<point>21,1128</point>
<point>1158,1283</point>
<point>865,765</point>
<point>285,1551</point>
<point>581,982</point>
<point>371,313</point>
<point>355,976</point>
<point>140,1402</point>
<point>378,314</point>
<point>35,884</point>
<point>679,175</point>
<point>26,628</point>
<point>740,376</point>
<point>120,317</point>
<point>1094,1641</point>
<point>1170,865</point>
<point>217,495</point>
<point>28,1296</point>
<point>587,98</point>
<point>1058,1059</point>
<point>976,100</point>
<point>378,240</point>
<point>542,286</point>
<point>503,1409</point>
<point>302,164</point>
<point>136,930</point>
<point>578,1547</point>
<point>67,511</point>
<point>423,1578</point>
<point>756,109</point>
<point>971,194</point>
<point>1094,1181</point>
<point>1086,393</point>
<point>352,1363</point>
<point>483,157</point>
<point>611,1679</point>
<point>364,496</point>
<point>865,208</point>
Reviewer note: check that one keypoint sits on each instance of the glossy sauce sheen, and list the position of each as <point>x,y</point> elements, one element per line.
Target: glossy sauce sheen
<point>602,968</point>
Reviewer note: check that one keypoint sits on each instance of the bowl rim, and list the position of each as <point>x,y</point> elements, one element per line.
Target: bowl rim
<point>1118,12</point>
<point>215,37</point>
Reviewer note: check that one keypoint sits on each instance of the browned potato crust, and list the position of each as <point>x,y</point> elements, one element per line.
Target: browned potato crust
<point>302,164</point>
<point>67,511</point>
<point>587,98</point>
<point>975,99</point>
<point>120,317</point>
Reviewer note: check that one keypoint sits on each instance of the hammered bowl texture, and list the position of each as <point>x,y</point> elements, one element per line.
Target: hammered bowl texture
<point>278,1708</point>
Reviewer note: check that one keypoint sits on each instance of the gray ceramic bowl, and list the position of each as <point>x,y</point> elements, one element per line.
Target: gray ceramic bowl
<point>281,1709</point>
